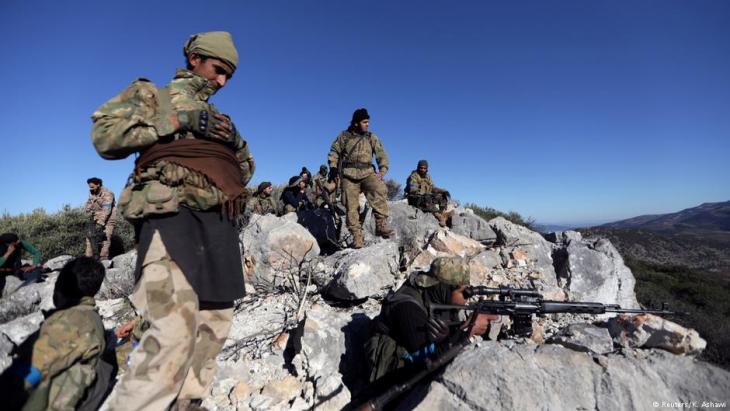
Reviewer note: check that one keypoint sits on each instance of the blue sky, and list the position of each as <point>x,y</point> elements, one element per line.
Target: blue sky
<point>566,111</point>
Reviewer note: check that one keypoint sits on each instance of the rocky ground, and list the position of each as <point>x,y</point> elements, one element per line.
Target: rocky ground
<point>297,337</point>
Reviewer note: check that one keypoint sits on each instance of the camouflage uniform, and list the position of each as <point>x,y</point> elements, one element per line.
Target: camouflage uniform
<point>418,186</point>
<point>103,209</point>
<point>175,359</point>
<point>261,205</point>
<point>358,175</point>
<point>69,345</point>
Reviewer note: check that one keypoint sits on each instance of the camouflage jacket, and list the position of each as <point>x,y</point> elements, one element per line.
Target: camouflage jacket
<point>138,118</point>
<point>417,185</point>
<point>263,205</point>
<point>357,151</point>
<point>102,206</point>
<point>69,345</point>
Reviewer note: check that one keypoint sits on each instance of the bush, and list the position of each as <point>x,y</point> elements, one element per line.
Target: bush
<point>489,213</point>
<point>63,232</point>
<point>703,297</point>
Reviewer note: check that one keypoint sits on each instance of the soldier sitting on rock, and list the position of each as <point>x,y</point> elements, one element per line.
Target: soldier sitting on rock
<point>422,194</point>
<point>404,335</point>
<point>66,370</point>
<point>11,251</point>
<point>262,202</point>
<point>295,197</point>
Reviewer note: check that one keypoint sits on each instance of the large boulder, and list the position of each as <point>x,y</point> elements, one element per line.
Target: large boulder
<point>593,270</point>
<point>466,223</point>
<point>275,248</point>
<point>495,376</point>
<point>585,337</point>
<point>126,261</point>
<point>362,273</point>
<point>412,227</point>
<point>651,331</point>
<point>118,283</point>
<point>57,263</point>
<point>528,248</point>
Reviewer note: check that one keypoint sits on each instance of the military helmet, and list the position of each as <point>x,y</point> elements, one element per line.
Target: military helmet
<point>448,270</point>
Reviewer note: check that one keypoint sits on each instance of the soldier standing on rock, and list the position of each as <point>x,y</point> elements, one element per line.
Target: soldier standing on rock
<point>422,194</point>
<point>189,186</point>
<point>350,158</point>
<point>102,213</point>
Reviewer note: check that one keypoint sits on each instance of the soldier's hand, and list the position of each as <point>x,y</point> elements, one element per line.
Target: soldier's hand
<point>124,330</point>
<point>437,330</point>
<point>481,324</point>
<point>208,125</point>
<point>10,249</point>
<point>223,129</point>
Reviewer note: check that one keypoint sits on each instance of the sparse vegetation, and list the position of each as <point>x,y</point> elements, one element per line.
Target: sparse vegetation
<point>704,297</point>
<point>394,189</point>
<point>62,232</point>
<point>489,213</point>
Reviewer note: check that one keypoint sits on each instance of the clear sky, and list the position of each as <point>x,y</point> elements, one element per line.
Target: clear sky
<point>566,111</point>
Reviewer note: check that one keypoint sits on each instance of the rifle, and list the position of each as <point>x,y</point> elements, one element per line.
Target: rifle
<point>95,236</point>
<point>521,304</point>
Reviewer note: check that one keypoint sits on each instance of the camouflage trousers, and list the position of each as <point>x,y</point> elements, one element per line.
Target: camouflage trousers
<point>175,358</point>
<point>375,192</point>
<point>104,253</point>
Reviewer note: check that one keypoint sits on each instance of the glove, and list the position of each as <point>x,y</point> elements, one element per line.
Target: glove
<point>334,173</point>
<point>208,125</point>
<point>437,330</point>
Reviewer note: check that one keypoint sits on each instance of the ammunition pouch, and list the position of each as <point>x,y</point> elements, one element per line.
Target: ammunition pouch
<point>149,198</point>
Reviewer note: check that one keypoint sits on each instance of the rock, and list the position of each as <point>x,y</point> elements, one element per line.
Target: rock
<point>365,272</point>
<point>22,302</point>
<point>126,261</point>
<point>585,337</point>
<point>651,331</point>
<point>274,248</point>
<point>118,283</point>
<point>468,224</point>
<point>20,328</point>
<point>6,347</point>
<point>594,271</point>
<point>412,226</point>
<point>57,263</point>
<point>537,251</point>
<point>11,284</point>
<point>563,237</point>
<point>495,376</point>
<point>455,244</point>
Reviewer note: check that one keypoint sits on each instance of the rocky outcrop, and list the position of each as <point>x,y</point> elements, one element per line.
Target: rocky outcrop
<point>585,337</point>
<point>275,248</point>
<point>497,376</point>
<point>363,273</point>
<point>463,221</point>
<point>651,331</point>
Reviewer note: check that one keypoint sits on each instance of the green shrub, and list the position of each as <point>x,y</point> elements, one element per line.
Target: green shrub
<point>704,298</point>
<point>62,232</point>
<point>489,213</point>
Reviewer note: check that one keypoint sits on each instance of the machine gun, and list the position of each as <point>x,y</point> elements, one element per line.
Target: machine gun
<point>521,304</point>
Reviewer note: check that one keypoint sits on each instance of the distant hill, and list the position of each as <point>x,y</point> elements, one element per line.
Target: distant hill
<point>698,237</point>
<point>711,219</point>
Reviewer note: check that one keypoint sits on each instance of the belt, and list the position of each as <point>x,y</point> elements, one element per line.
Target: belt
<point>360,166</point>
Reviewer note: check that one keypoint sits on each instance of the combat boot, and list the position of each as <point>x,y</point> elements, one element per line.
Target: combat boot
<point>441,217</point>
<point>357,241</point>
<point>382,229</point>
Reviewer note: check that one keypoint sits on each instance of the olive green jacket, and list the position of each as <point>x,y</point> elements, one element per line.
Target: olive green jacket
<point>358,149</point>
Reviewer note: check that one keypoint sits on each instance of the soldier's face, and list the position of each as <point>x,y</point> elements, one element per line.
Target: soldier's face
<point>364,125</point>
<point>422,170</point>
<point>268,190</point>
<point>93,188</point>
<point>216,71</point>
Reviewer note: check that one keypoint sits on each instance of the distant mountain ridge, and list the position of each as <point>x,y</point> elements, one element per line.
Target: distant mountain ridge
<point>707,218</point>
<point>698,237</point>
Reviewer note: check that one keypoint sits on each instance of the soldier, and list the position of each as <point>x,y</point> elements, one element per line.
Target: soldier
<point>353,150</point>
<point>295,196</point>
<point>102,211</point>
<point>11,253</point>
<point>189,185</point>
<point>262,202</point>
<point>421,193</point>
<point>405,333</point>
<point>70,344</point>
<point>320,188</point>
